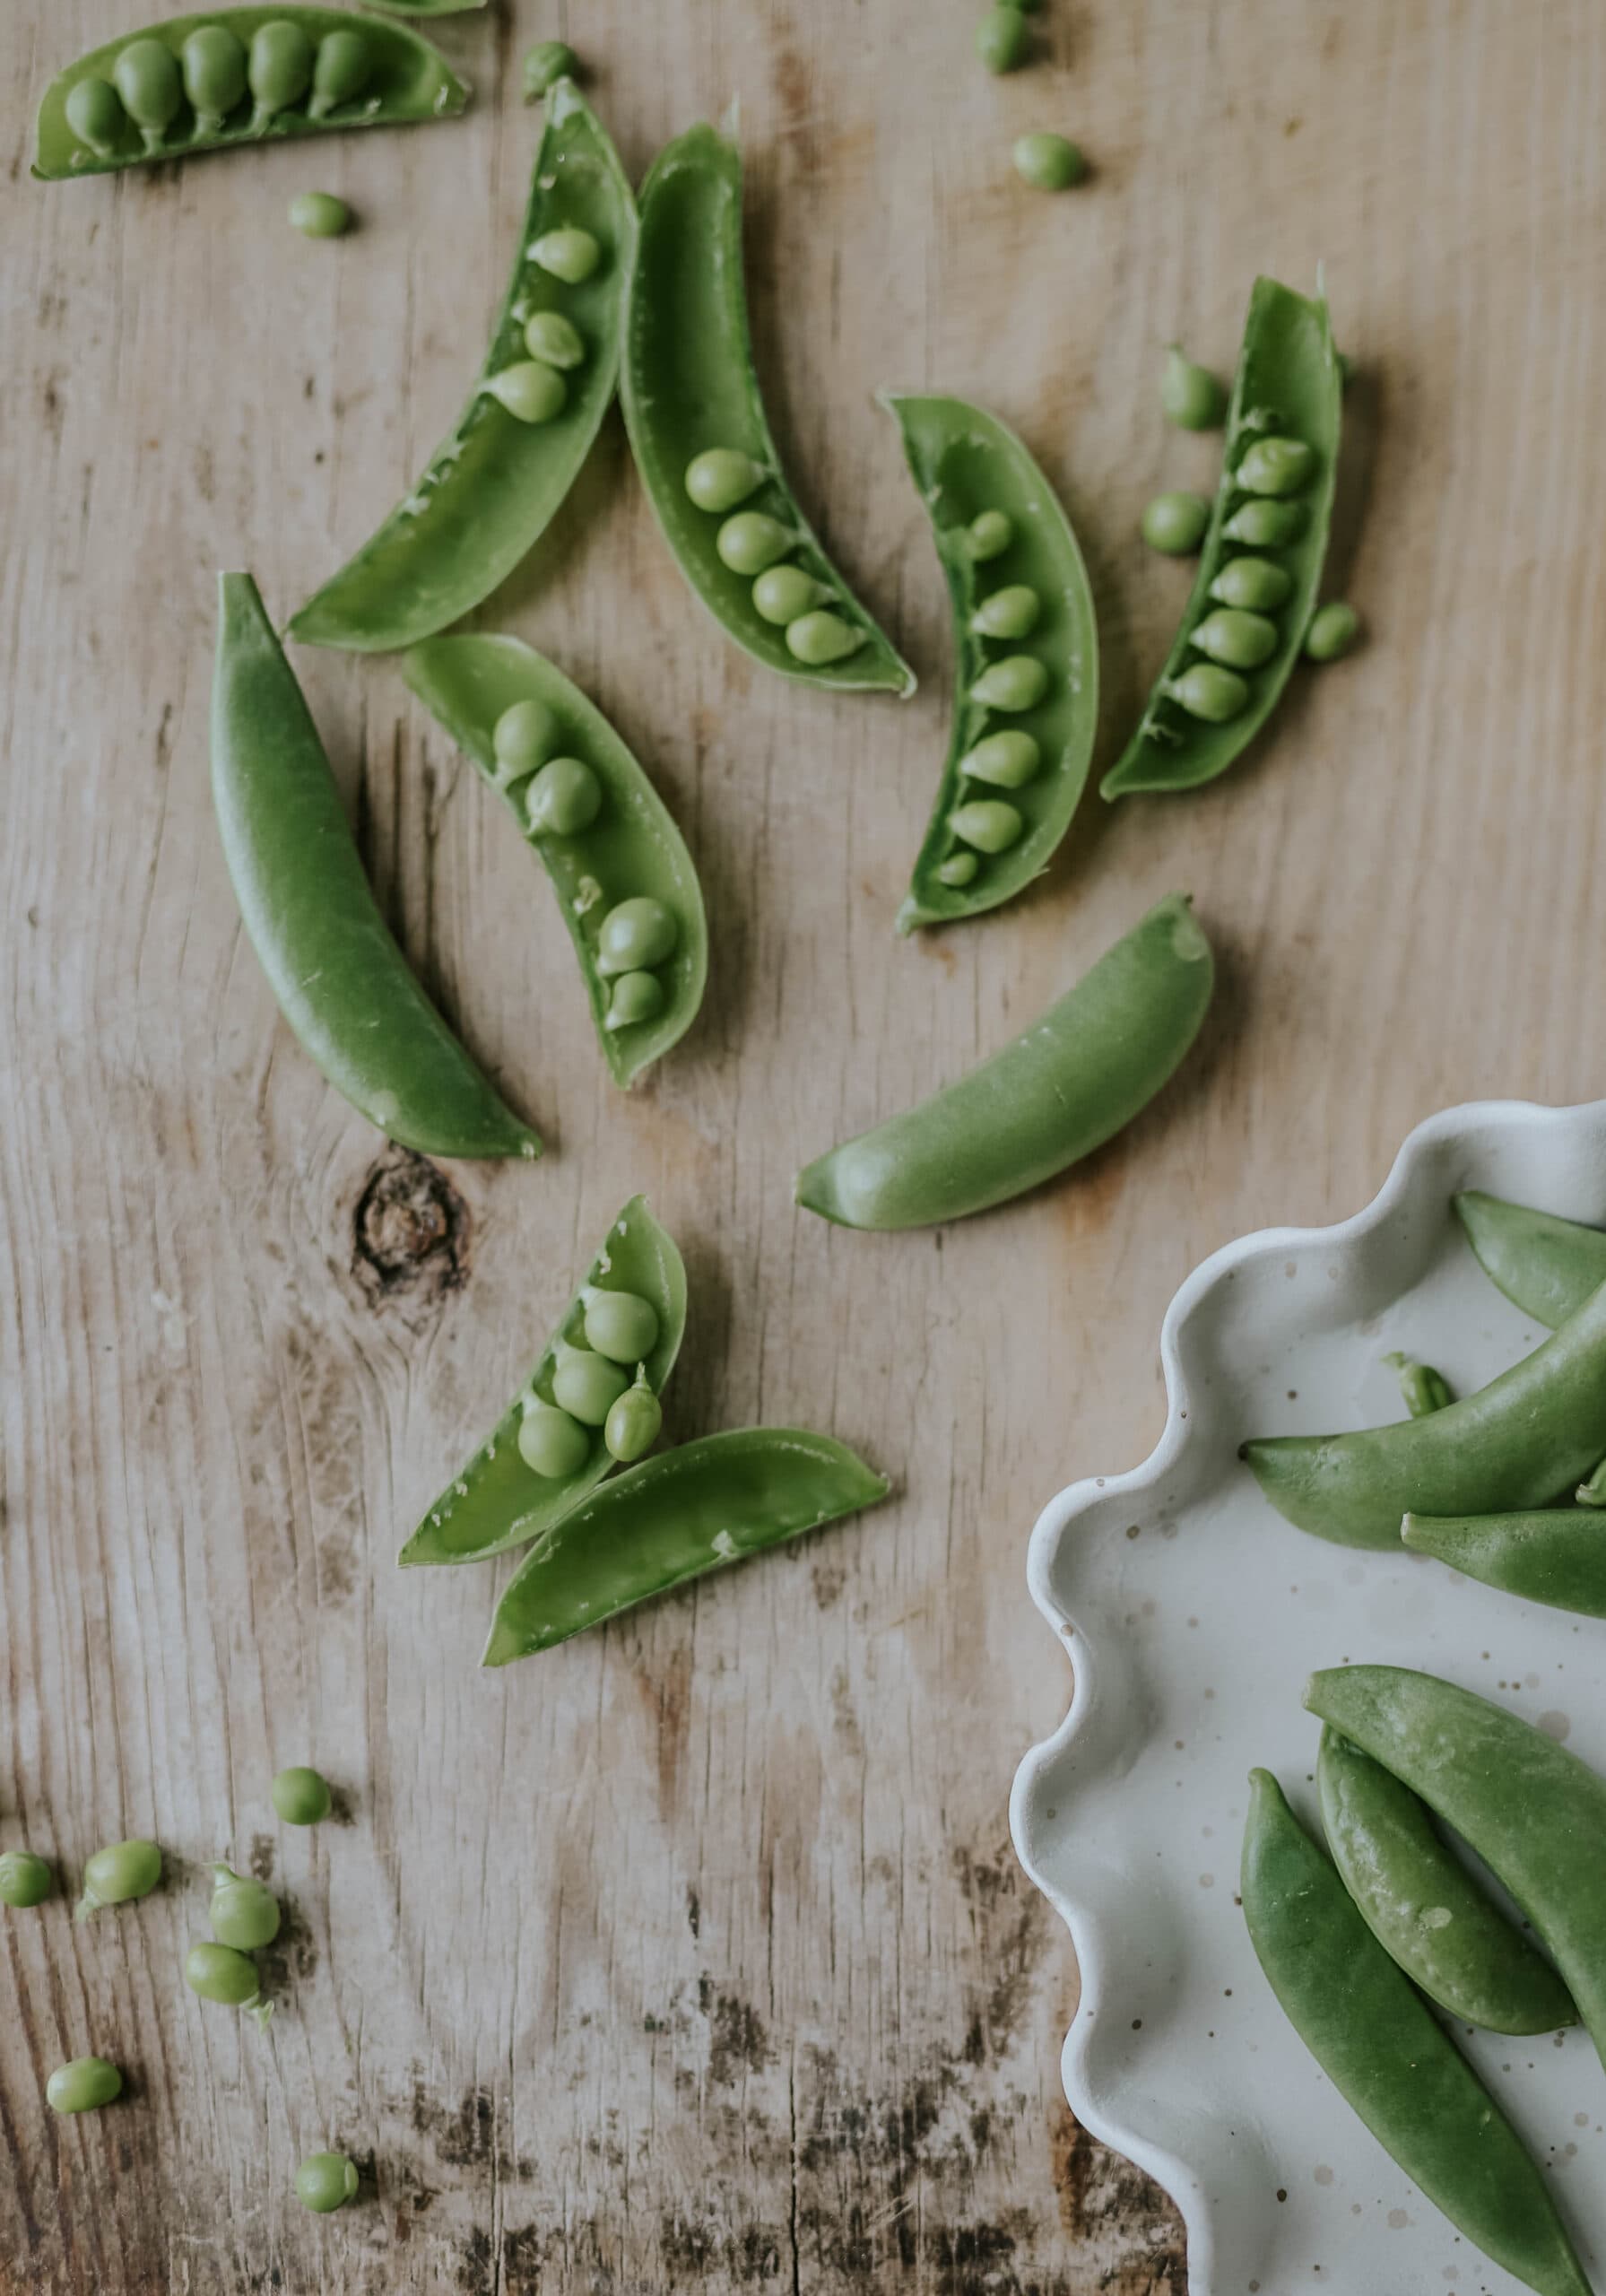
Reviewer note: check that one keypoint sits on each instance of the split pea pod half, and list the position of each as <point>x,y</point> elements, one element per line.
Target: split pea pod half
<point>1548,1266</point>
<point>499,1500</point>
<point>702,442</point>
<point>1227,663</point>
<point>215,82</point>
<point>1516,1443</point>
<point>624,880</point>
<point>671,1519</point>
<point>1080,1072</point>
<point>1555,1555</point>
<point>1014,773</point>
<point>491,487</point>
<point>341,982</point>
<point>1388,2057</point>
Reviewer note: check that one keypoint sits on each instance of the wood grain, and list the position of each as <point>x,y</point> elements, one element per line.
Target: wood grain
<point>694,1955</point>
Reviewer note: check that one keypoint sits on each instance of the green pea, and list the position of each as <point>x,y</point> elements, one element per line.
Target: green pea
<point>1275,466</point>
<point>95,114</point>
<point>634,1423</point>
<point>244,1913</point>
<point>1265,526</point>
<point>620,1324</point>
<point>752,541</point>
<point>818,637</point>
<point>279,70</point>
<point>118,1874</point>
<point>521,739</point>
<point>1018,682</point>
<point>1008,761</point>
<point>637,997</point>
<point>989,535</point>
<point>25,1879</point>
<point>1243,641</point>
<point>1209,693</point>
<point>345,66</point>
<point>301,1795</point>
<point>545,64</point>
<point>214,74</point>
<point>551,1443</point>
<point>1002,39</point>
<point>958,869</point>
<point>783,594</point>
<point>719,478</point>
<point>217,1973</point>
<point>1333,630</point>
<point>555,341</point>
<point>83,2085</point>
<point>318,215</point>
<point>1175,522</point>
<point>1049,163</point>
<point>1190,396</point>
<point>1011,612</point>
<point>587,1385</point>
<point>530,392</point>
<point>567,253</point>
<point>564,798</point>
<point>1253,583</point>
<point>636,936</point>
<point>988,823</point>
<point>326,2182</point>
<point>146,77</point>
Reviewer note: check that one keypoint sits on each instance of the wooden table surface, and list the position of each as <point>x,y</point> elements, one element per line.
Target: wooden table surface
<point>694,1954</point>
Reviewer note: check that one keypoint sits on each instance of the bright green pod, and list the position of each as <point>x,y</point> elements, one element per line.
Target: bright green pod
<point>1548,1266</point>
<point>213,62</point>
<point>1554,1555</point>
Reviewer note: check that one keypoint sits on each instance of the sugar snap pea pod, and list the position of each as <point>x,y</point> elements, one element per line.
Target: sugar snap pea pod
<point>671,1519</point>
<point>1548,1266</point>
<point>93,116</point>
<point>491,487</point>
<point>1388,2057</point>
<point>341,982</point>
<point>1555,1555</point>
<point>693,410</point>
<point>1035,594</point>
<point>1516,1443</point>
<point>1424,1907</point>
<point>1080,1072</point>
<point>1425,1390</point>
<point>627,848</point>
<point>1278,466</point>
<point>498,1500</point>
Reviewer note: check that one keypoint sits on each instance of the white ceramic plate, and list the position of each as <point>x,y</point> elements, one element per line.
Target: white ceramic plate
<point>1193,1614</point>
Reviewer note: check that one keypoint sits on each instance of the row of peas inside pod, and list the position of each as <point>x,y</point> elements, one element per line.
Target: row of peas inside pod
<point>535,389</point>
<point>593,1387</point>
<point>756,546</point>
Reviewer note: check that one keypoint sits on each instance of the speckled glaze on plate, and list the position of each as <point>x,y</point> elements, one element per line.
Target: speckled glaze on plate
<point>1192,1615</point>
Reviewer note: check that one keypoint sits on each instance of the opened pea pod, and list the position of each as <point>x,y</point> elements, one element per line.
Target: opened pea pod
<point>1026,643</point>
<point>560,1436</point>
<point>235,76</point>
<point>624,880</point>
<point>702,442</point>
<point>490,489</point>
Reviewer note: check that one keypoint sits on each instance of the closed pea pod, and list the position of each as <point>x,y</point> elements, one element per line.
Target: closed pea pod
<point>1554,1555</point>
<point>1548,1266</point>
<point>83,2085</point>
<point>214,74</point>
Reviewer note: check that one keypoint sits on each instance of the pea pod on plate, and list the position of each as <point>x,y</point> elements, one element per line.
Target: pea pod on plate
<point>500,1499</point>
<point>1265,542</point>
<point>1388,2057</point>
<point>624,880</point>
<point>1018,760</point>
<point>212,82</point>
<point>1548,1266</point>
<point>341,982</point>
<point>702,442</point>
<point>1555,1555</point>
<point>672,1519</point>
<point>491,487</point>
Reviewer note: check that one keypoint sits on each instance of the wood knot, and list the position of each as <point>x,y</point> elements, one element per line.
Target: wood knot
<point>411,1231</point>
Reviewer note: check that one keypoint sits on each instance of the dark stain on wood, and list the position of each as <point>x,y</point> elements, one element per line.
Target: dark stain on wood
<point>411,1234</point>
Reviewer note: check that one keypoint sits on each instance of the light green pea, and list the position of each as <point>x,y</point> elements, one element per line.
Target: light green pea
<point>1255,584</point>
<point>1209,693</point>
<point>301,1795</point>
<point>564,798</point>
<point>587,1385</point>
<point>1333,630</point>
<point>326,2182</point>
<point>818,637</point>
<point>545,64</point>
<point>531,392</point>
<point>279,70</point>
<point>637,997</point>
<point>989,535</point>
<point>1275,466</point>
<point>214,74</point>
<point>318,215</point>
<point>83,2085</point>
<point>719,478</point>
<point>551,1443</point>
<point>95,114</point>
<point>782,594</point>
<point>345,66</point>
<point>521,739</point>
<point>146,77</point>
<point>752,541</point>
<point>634,1422</point>
<point>217,1973</point>
<point>1174,523</point>
<point>1008,761</point>
<point>1190,396</point>
<point>1265,526</point>
<point>567,253</point>
<point>636,936</point>
<point>620,1324</point>
<point>1011,612</point>
<point>1018,682</point>
<point>958,869</point>
<point>1002,39</point>
<point>1049,163</point>
<point>555,341</point>
<point>118,1874</point>
<point>25,1879</point>
<point>1243,641</point>
<point>988,823</point>
<point>243,1912</point>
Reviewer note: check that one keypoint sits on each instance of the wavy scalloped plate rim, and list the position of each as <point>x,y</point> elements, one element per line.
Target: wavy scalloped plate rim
<point>1277,2183</point>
